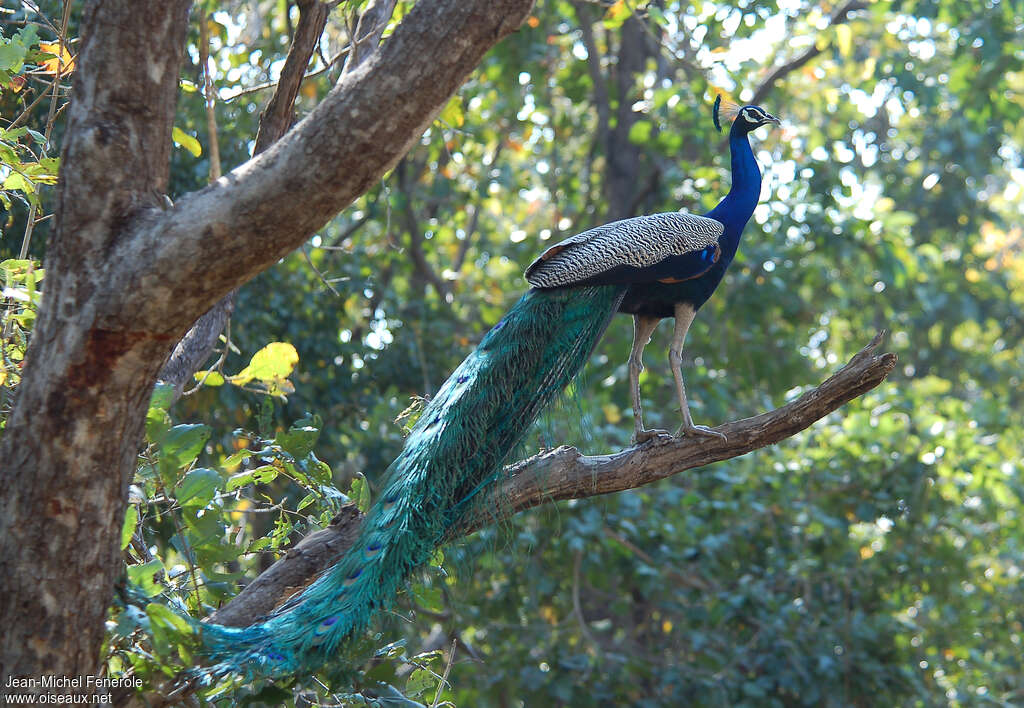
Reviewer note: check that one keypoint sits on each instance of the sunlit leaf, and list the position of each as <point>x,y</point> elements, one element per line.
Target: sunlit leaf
<point>186,141</point>
<point>61,62</point>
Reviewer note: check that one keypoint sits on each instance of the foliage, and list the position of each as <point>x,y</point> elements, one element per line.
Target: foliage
<point>874,560</point>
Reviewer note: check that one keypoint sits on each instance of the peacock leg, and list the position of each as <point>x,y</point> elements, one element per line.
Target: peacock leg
<point>684,318</point>
<point>643,328</point>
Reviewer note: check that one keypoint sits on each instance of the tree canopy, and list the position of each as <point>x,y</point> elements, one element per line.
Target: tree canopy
<point>874,559</point>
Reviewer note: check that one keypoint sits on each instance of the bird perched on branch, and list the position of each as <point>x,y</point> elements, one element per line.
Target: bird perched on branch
<point>657,266</point>
<point>671,263</point>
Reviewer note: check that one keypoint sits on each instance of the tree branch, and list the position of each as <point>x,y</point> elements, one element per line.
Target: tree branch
<point>196,346</point>
<point>564,473</point>
<point>228,232</point>
<point>840,16</point>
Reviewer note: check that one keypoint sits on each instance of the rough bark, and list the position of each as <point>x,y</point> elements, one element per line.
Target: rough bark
<point>69,448</point>
<point>564,473</point>
<point>126,279</point>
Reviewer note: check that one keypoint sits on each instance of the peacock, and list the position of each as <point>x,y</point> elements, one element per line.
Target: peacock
<point>652,267</point>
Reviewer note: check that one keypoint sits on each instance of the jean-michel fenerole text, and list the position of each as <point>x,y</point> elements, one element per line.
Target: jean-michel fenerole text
<point>87,683</point>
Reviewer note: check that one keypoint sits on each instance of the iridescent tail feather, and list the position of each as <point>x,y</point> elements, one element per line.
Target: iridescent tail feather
<point>450,461</point>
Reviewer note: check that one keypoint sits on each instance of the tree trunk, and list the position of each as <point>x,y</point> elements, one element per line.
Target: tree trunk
<point>70,445</point>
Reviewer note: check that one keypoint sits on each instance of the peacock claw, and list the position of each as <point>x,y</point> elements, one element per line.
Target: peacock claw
<point>642,436</point>
<point>699,431</point>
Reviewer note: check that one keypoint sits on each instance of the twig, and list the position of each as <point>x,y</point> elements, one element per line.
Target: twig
<point>321,276</point>
<point>444,678</point>
<point>694,581</point>
<point>209,97</point>
<point>328,65</point>
<point>31,222</point>
<point>577,608</point>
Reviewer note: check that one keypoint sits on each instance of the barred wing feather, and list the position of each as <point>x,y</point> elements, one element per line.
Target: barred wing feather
<point>625,248</point>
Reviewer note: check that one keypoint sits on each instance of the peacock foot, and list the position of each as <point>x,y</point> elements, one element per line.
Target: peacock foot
<point>642,436</point>
<point>698,431</point>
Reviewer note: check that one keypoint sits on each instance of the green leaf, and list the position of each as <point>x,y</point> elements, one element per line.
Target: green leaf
<point>144,576</point>
<point>163,396</point>
<point>360,492</point>
<point>182,445</point>
<point>198,487</point>
<point>186,141</point>
<point>131,520</point>
<point>171,633</point>
<point>237,458</point>
<point>640,132</point>
<point>419,681</point>
<point>260,475</point>
<point>429,597</point>
<point>274,361</point>
<point>298,442</point>
<point>157,425</point>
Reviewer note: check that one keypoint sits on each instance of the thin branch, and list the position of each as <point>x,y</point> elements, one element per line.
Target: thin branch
<point>328,65</point>
<point>840,16</point>
<point>564,473</point>
<point>368,32</point>
<point>277,117</point>
<point>406,177</point>
<point>319,273</point>
<point>692,581</point>
<point>577,608</point>
<point>51,119</point>
<point>209,97</point>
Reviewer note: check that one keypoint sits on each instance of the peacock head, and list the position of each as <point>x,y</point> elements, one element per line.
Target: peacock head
<point>745,118</point>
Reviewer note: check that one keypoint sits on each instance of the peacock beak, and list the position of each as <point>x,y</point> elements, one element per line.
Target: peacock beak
<point>773,119</point>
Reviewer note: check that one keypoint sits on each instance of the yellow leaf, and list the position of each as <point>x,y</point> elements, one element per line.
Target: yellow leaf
<point>612,413</point>
<point>62,60</point>
<point>869,68</point>
<point>186,141</point>
<point>844,39</point>
<point>269,365</point>
<point>618,12</point>
<point>883,205</point>
<point>452,113</point>
<point>209,378</point>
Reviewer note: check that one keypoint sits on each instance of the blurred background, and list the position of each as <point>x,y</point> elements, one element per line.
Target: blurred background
<point>875,559</point>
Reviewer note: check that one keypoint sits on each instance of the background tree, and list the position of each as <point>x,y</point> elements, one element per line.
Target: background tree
<point>874,559</point>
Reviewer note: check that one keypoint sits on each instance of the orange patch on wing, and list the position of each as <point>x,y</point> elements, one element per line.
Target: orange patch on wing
<point>553,251</point>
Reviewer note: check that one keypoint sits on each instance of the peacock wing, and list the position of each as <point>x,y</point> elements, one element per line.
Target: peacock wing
<point>623,251</point>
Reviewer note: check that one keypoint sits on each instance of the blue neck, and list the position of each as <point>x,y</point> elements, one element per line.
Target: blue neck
<point>738,205</point>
